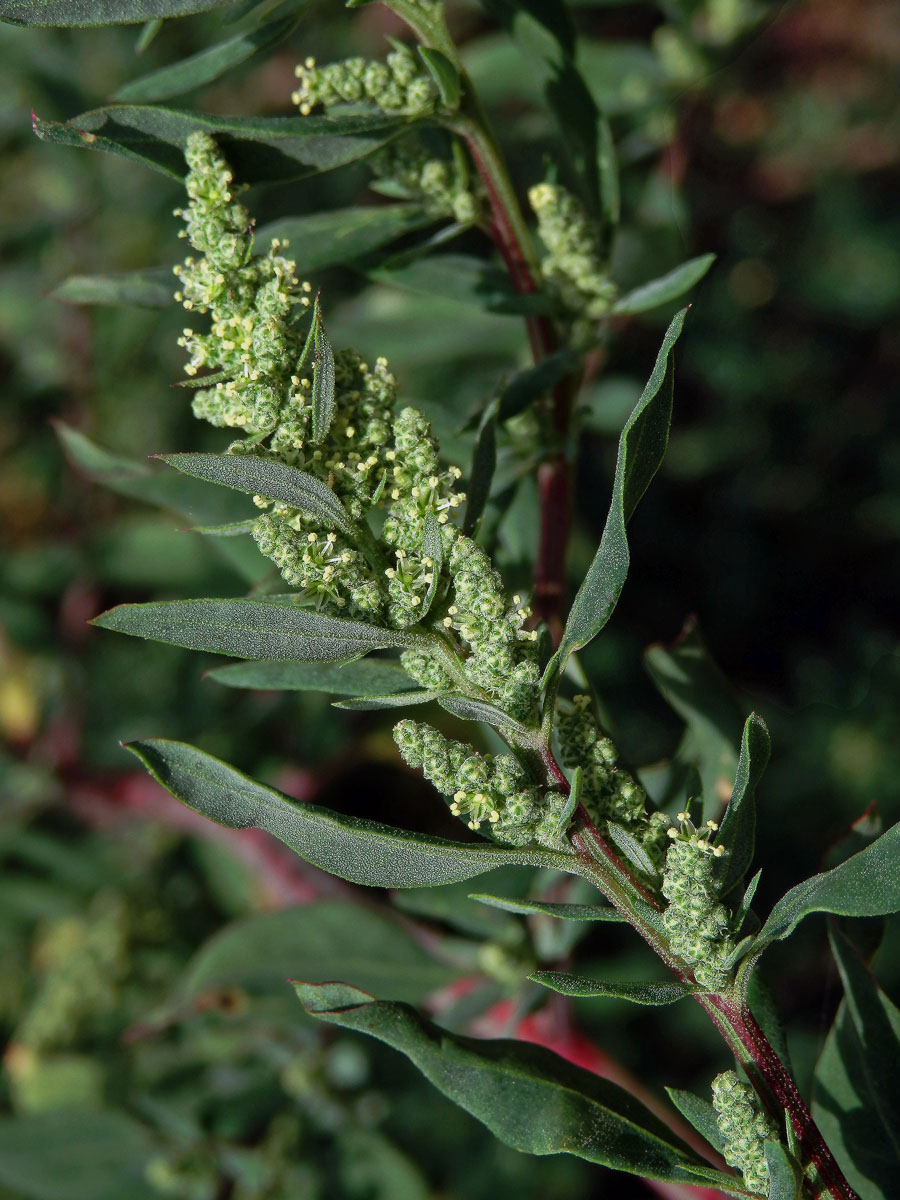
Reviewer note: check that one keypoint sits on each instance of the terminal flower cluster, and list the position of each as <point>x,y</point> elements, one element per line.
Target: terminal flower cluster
<point>484,791</point>
<point>744,1128</point>
<point>698,925</point>
<point>399,86</point>
<point>573,267</point>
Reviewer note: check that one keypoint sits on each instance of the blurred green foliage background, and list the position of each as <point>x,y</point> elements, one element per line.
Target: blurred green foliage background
<point>768,134</point>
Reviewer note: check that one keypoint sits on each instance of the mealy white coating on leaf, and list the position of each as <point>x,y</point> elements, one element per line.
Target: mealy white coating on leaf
<point>665,991</point>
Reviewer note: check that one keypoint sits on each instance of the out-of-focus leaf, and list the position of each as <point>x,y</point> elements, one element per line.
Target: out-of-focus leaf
<point>324,938</point>
<point>660,992</point>
<point>326,239</point>
<point>99,12</point>
<point>484,462</point>
<point>866,885</point>
<point>527,1096</point>
<point>565,912</point>
<point>667,288</point>
<point>693,685</point>
<point>205,66</point>
<point>75,1154</point>
<point>368,677</point>
<point>149,289</point>
<point>266,477</point>
<point>529,385</point>
<point>738,829</point>
<point>362,851</point>
<point>641,449</point>
<point>463,278</point>
<point>260,149</point>
<point>700,1113</point>
<point>249,629</point>
<point>607,173</point>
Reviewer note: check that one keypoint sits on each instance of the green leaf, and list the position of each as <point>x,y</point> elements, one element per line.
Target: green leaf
<point>866,885</point>
<point>665,289</point>
<point>323,408</point>
<point>530,1098</point>
<point>463,278</point>
<point>738,829</point>
<point>699,1113</point>
<point>325,938</point>
<point>248,629</point>
<point>388,700</point>
<point>740,915</point>
<point>529,385</point>
<point>657,993</point>
<point>327,239</point>
<point>641,449</point>
<point>75,1154</point>
<point>845,1107</point>
<point>478,710</point>
<point>692,684</point>
<point>368,677</point>
<point>149,289</point>
<point>99,12</point>
<point>484,462</point>
<point>785,1175</point>
<point>364,852</point>
<point>565,912</point>
<point>607,173</point>
<point>207,65</point>
<point>266,477</point>
<point>260,149</point>
<point>631,848</point>
<point>444,74</point>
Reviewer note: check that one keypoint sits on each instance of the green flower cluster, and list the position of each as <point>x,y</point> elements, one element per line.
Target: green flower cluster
<point>572,267</point>
<point>440,185</point>
<point>744,1128</point>
<point>487,791</point>
<point>369,457</point>
<point>697,924</point>
<point>400,85</point>
<point>608,791</point>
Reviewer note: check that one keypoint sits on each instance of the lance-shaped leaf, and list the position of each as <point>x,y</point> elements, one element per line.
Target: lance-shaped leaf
<point>69,13</point>
<point>785,1173</point>
<point>547,908</point>
<point>691,682</point>
<point>444,74</point>
<point>642,446</point>
<point>433,549</point>
<point>461,277</point>
<point>630,848</point>
<point>368,677</point>
<point>322,379</point>
<point>484,462</point>
<point>866,885</point>
<point>266,477</point>
<point>665,289</point>
<point>249,629</point>
<point>527,1096</point>
<point>202,68</point>
<point>365,852</point>
<point>738,829</point>
<point>700,1113</point>
<point>659,992</point>
<point>389,700</point>
<point>147,289</point>
<point>260,149</point>
<point>854,1092</point>
<point>479,710</point>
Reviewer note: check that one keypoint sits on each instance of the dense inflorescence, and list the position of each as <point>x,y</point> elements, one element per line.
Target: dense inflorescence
<point>572,266</point>
<point>484,791</point>
<point>441,185</point>
<point>744,1128</point>
<point>399,86</point>
<point>608,791</point>
<point>698,925</point>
